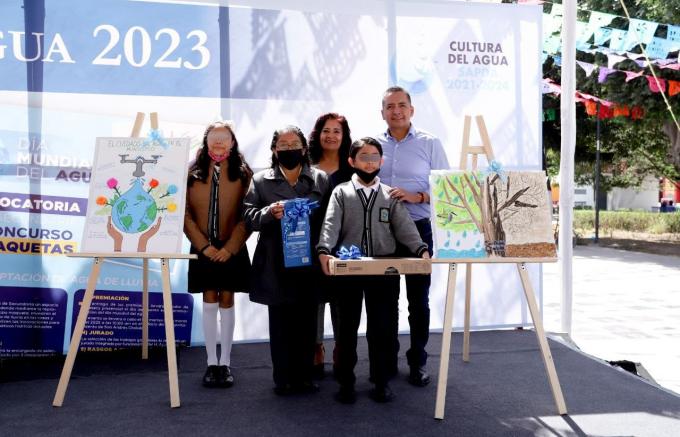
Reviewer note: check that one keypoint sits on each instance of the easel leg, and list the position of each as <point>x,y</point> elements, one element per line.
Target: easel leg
<point>170,334</point>
<point>542,341</point>
<point>446,345</point>
<point>466,333</point>
<point>77,334</point>
<point>145,309</point>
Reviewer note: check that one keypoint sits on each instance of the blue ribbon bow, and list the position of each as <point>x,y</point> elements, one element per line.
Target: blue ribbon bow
<point>301,208</point>
<point>155,136</point>
<point>352,253</point>
<point>497,167</point>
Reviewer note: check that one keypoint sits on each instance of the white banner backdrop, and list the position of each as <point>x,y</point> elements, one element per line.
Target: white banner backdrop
<point>261,67</point>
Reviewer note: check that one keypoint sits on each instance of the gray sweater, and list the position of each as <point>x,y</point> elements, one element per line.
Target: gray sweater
<point>373,223</point>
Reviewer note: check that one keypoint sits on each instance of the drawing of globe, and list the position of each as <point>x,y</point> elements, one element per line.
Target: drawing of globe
<point>134,211</point>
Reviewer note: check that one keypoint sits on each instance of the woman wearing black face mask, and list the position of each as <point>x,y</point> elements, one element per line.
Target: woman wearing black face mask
<point>290,293</point>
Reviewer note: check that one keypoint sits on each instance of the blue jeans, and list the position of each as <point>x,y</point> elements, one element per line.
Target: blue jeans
<point>417,293</point>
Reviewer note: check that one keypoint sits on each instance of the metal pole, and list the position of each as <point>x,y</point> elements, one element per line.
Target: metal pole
<point>597,177</point>
<point>568,146</point>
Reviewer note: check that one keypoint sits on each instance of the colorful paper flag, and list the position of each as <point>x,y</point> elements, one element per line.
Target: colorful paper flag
<point>673,87</point>
<point>616,39</point>
<point>599,19</point>
<point>602,35</point>
<point>621,111</point>
<point>658,48</point>
<point>656,85</point>
<point>630,75</point>
<point>605,112</point>
<point>639,31</point>
<point>551,24</point>
<point>604,72</point>
<point>637,112</point>
<point>552,44</point>
<point>587,67</point>
<point>591,107</point>
<point>673,33</point>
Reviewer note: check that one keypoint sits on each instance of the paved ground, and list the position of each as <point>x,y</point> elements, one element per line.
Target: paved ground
<point>626,307</point>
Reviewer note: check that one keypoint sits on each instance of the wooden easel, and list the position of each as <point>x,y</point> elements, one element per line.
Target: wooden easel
<point>486,149</point>
<point>167,303</point>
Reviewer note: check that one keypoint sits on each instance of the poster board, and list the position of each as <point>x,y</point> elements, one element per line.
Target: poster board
<point>496,214</point>
<point>137,196</point>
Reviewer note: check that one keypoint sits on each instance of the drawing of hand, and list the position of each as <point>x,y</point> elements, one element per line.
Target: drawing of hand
<point>146,236</point>
<point>115,234</point>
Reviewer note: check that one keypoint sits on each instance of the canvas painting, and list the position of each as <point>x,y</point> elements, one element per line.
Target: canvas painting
<point>137,196</point>
<point>497,214</point>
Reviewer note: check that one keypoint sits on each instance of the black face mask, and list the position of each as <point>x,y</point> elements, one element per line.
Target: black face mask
<point>366,176</point>
<point>290,159</point>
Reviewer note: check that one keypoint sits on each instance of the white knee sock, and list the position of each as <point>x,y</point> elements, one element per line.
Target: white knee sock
<point>227,321</point>
<point>210,331</point>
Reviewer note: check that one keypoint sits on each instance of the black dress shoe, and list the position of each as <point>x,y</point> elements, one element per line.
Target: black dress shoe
<point>418,376</point>
<point>226,379</point>
<point>283,389</point>
<point>306,387</point>
<point>211,377</point>
<point>318,372</point>
<point>346,394</point>
<point>381,393</point>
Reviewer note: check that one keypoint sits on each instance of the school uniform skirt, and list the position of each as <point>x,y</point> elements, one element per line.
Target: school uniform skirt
<point>233,275</point>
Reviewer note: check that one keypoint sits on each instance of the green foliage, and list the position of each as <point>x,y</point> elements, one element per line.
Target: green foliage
<point>634,221</point>
<point>452,213</point>
<point>631,149</point>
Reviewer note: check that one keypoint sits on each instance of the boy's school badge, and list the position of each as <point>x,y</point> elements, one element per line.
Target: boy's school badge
<point>385,215</point>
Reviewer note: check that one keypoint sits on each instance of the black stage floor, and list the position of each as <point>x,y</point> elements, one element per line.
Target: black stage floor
<point>502,391</point>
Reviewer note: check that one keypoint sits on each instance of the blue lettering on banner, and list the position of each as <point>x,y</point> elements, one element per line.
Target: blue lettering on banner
<point>113,47</point>
<point>39,204</point>
<point>115,320</point>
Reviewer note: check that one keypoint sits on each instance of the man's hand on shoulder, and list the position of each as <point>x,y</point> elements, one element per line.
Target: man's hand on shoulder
<point>404,196</point>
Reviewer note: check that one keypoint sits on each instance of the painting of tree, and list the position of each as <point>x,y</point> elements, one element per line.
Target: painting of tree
<point>492,215</point>
<point>457,213</point>
<point>517,215</point>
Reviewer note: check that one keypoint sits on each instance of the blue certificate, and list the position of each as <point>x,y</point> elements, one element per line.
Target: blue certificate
<point>295,230</point>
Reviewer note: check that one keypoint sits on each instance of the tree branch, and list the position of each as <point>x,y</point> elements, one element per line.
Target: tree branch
<point>467,206</point>
<point>515,196</point>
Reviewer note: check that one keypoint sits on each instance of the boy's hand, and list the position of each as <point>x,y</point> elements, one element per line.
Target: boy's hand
<point>323,259</point>
<point>425,255</point>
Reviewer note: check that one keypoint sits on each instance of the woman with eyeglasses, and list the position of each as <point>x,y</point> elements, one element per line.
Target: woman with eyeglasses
<point>289,292</point>
<point>329,144</point>
<point>213,223</point>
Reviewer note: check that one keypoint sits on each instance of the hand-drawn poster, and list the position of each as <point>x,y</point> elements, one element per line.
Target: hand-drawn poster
<point>499,214</point>
<point>137,195</point>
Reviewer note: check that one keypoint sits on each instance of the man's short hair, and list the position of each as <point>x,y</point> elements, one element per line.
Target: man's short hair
<point>395,89</point>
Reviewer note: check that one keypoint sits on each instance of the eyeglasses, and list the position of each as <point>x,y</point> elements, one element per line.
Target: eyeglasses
<point>289,146</point>
<point>369,158</point>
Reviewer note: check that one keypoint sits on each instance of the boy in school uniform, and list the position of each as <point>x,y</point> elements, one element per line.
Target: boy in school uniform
<point>362,213</point>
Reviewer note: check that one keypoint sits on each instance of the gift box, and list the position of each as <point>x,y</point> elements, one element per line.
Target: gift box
<point>295,230</point>
<point>380,266</point>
